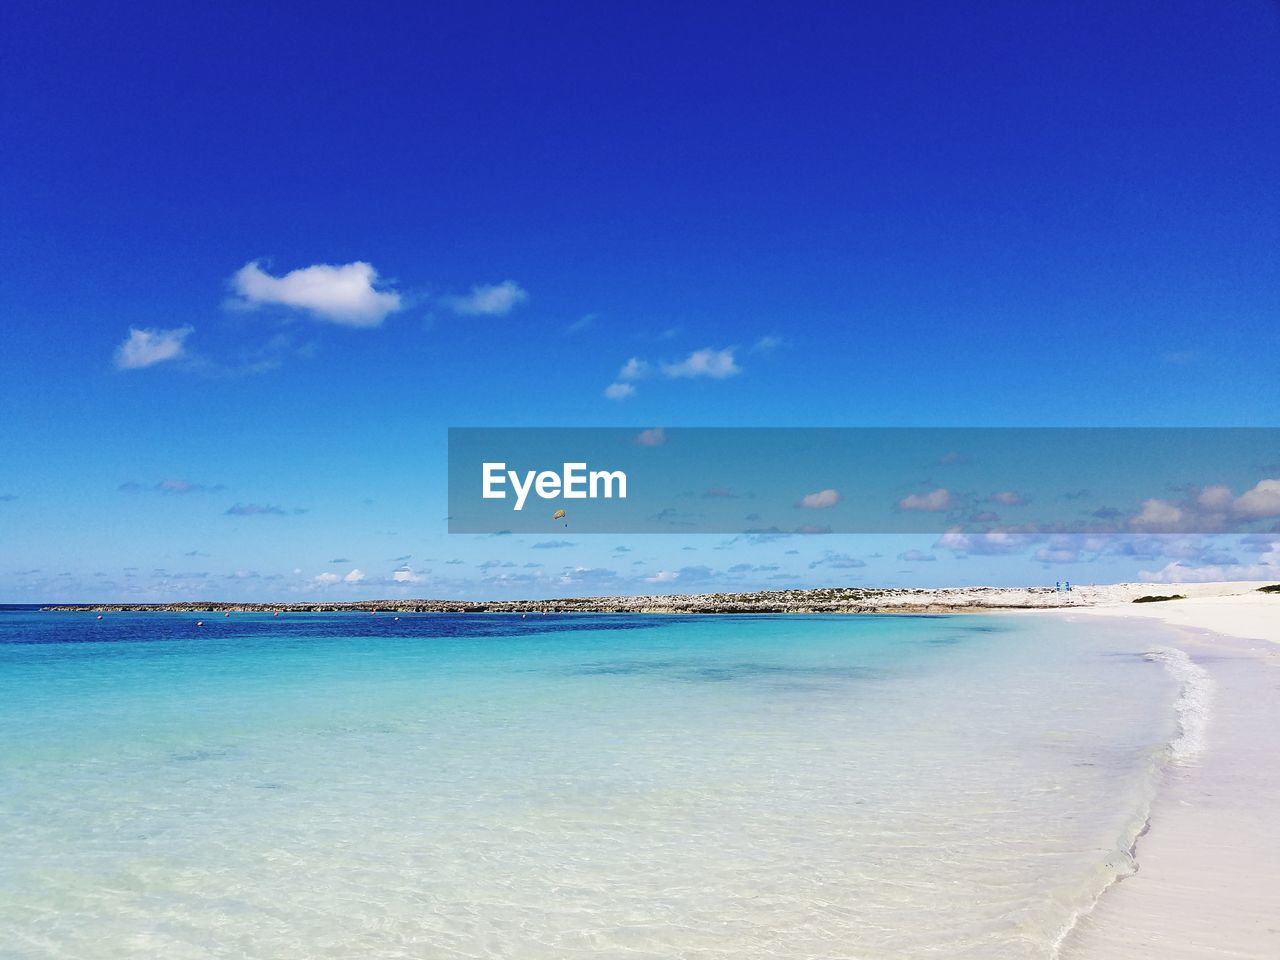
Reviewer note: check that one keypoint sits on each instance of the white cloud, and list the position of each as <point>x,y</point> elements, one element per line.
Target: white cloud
<point>716,364</point>
<point>405,575</point>
<point>1057,555</point>
<point>653,437</point>
<point>1008,498</point>
<point>325,579</point>
<point>339,293</point>
<point>262,510</point>
<point>916,556</point>
<point>984,544</point>
<point>810,529</point>
<point>819,500</point>
<point>1267,568</point>
<point>145,347</point>
<point>934,500</point>
<point>355,576</point>
<point>663,576</point>
<point>1212,508</point>
<point>1215,498</point>
<point>840,561</point>
<point>766,343</point>
<point>1158,515</point>
<point>634,369</point>
<point>169,486</point>
<point>622,388</point>
<point>1260,502</point>
<point>489,300</point>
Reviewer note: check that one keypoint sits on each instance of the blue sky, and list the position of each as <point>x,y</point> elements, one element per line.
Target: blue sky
<point>1050,214</point>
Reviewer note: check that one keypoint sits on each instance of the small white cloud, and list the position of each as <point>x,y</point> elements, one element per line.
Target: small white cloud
<point>934,500</point>
<point>405,575</point>
<point>169,486</point>
<point>262,510</point>
<point>1158,515</point>
<point>145,347</point>
<point>916,556</point>
<point>766,343</point>
<point>663,576</point>
<point>634,369</point>
<point>1008,498</point>
<point>339,293</point>
<point>489,300</point>
<point>840,561</point>
<point>820,500</point>
<point>355,576</point>
<point>716,364</point>
<point>653,437</point>
<point>326,579</point>
<point>1057,555</point>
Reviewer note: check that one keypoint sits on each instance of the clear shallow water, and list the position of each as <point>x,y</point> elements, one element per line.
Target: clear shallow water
<point>568,786</point>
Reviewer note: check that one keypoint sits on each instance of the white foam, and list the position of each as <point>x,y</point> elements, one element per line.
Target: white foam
<point>1194,703</point>
<point>1192,707</point>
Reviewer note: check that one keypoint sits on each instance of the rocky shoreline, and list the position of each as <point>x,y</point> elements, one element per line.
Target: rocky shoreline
<point>851,600</point>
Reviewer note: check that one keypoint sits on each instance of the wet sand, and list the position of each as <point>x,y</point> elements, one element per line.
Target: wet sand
<point>1208,880</point>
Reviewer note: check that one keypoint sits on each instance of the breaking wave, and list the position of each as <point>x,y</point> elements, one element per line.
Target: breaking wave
<point>1193,705</point>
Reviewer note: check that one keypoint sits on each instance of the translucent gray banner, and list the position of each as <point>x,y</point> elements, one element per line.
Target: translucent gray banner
<point>864,480</point>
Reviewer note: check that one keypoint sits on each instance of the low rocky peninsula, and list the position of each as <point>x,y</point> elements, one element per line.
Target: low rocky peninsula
<point>851,600</point>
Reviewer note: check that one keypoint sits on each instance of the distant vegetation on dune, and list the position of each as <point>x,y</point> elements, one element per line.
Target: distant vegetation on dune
<point>1152,598</point>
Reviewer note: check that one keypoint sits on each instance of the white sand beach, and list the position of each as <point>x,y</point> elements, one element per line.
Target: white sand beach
<point>1208,880</point>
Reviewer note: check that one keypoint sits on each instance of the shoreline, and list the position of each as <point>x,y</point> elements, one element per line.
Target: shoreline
<point>1198,889</point>
<point>836,600</point>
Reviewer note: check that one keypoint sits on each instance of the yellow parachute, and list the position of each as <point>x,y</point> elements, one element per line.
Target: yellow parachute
<point>558,515</point>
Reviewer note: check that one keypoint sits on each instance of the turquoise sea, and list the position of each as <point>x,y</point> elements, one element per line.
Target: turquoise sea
<point>486,786</point>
